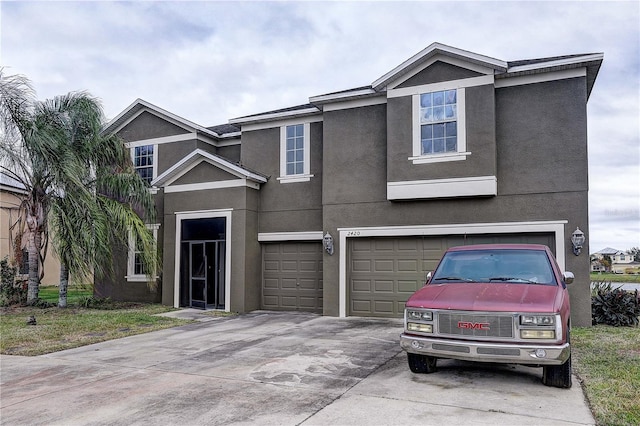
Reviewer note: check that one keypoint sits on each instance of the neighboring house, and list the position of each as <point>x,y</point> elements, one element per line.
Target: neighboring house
<point>448,148</point>
<point>620,261</point>
<point>10,197</point>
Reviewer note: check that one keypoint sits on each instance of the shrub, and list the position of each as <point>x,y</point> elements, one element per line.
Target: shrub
<point>12,292</point>
<point>614,306</point>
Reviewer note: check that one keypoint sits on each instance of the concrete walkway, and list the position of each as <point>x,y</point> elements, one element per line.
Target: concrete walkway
<point>272,368</point>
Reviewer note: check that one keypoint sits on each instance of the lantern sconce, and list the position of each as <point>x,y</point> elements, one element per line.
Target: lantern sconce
<point>327,243</point>
<point>577,240</point>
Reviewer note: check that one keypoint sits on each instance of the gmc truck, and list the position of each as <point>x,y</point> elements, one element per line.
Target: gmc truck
<point>499,303</point>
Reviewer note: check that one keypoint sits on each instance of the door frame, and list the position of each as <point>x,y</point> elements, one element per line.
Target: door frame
<point>556,227</point>
<point>203,214</point>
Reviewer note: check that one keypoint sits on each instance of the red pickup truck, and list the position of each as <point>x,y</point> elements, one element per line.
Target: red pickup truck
<point>501,303</point>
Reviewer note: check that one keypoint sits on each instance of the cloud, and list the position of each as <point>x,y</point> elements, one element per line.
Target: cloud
<point>212,61</point>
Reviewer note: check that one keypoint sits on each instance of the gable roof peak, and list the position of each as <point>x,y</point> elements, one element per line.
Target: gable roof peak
<point>438,49</point>
<point>140,104</point>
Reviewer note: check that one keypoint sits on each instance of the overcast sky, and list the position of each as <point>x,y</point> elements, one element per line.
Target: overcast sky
<point>209,62</point>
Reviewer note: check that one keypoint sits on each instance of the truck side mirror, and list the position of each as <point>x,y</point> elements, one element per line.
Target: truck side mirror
<point>428,278</point>
<point>568,277</point>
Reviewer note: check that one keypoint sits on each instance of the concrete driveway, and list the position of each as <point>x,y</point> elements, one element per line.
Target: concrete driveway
<point>272,368</point>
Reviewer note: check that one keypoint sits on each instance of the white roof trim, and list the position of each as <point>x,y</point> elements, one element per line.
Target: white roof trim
<point>342,95</point>
<point>275,115</point>
<point>160,111</point>
<point>558,63</point>
<point>194,157</point>
<point>264,237</point>
<point>495,63</point>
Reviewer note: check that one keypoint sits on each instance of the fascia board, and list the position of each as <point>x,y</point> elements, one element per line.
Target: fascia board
<point>185,164</point>
<point>579,60</point>
<point>126,116</point>
<point>430,51</point>
<point>320,99</point>
<point>275,116</point>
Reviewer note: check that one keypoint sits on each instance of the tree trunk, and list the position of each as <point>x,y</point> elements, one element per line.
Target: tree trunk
<point>64,285</point>
<point>34,276</point>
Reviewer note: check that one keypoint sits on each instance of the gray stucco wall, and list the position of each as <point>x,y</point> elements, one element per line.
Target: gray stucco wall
<point>480,126</point>
<point>245,258</point>
<point>562,195</point>
<point>286,207</point>
<point>204,172</point>
<point>438,72</point>
<point>536,157</point>
<point>147,126</point>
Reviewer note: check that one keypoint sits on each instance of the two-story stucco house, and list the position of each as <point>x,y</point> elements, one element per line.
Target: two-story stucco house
<point>448,148</point>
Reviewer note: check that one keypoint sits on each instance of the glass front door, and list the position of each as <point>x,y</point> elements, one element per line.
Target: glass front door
<point>202,264</point>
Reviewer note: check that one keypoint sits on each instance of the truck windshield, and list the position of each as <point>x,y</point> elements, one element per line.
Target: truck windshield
<point>499,266</point>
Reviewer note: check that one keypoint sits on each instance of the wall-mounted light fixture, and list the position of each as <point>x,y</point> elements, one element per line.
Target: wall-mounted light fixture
<point>327,243</point>
<point>577,240</point>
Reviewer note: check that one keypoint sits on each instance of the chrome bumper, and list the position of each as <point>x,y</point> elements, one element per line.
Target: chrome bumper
<point>515,353</point>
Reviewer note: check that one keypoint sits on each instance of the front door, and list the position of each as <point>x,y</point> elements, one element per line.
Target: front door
<point>206,280</point>
<point>202,264</point>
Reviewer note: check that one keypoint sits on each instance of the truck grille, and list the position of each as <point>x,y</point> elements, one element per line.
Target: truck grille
<point>475,325</point>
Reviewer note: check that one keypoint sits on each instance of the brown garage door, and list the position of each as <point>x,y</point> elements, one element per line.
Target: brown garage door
<point>292,276</point>
<point>384,272</point>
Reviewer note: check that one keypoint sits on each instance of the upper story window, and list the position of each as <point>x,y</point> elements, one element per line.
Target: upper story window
<point>143,162</point>
<point>439,125</point>
<point>294,149</point>
<point>438,122</point>
<point>295,165</point>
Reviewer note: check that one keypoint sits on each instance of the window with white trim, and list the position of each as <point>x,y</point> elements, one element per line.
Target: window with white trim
<point>295,153</point>
<point>439,126</point>
<point>143,161</point>
<point>135,267</point>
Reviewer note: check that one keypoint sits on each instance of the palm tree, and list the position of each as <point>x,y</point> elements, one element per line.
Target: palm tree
<point>79,183</point>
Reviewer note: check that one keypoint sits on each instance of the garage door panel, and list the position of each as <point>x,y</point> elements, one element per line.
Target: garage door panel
<point>381,286</point>
<point>292,276</point>
<point>400,265</point>
<point>361,285</point>
<point>383,245</point>
<point>383,266</point>
<point>361,306</point>
<point>408,265</point>
<point>271,283</point>
<point>409,287</point>
<point>362,265</point>
<point>308,266</point>
<point>384,306</point>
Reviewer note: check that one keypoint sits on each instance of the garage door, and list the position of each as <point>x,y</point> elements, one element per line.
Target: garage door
<point>384,272</point>
<point>292,276</point>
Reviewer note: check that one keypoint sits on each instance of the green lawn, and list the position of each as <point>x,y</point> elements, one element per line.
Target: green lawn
<point>607,361</point>
<point>74,293</point>
<point>616,278</point>
<point>58,329</point>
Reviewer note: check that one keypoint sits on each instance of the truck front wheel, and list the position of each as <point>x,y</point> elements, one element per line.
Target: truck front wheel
<point>421,364</point>
<point>558,376</point>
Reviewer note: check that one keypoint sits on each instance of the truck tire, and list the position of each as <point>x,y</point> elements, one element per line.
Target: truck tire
<point>421,364</point>
<point>558,376</point>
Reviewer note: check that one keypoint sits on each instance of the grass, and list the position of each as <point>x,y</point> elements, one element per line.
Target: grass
<point>616,278</point>
<point>607,361</point>
<point>74,293</point>
<point>58,329</point>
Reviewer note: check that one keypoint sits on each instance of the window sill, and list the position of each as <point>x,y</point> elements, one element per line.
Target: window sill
<point>295,178</point>
<point>138,278</point>
<point>439,158</point>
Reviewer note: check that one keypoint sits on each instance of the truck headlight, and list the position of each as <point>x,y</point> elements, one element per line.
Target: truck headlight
<point>537,334</point>
<point>419,315</point>
<point>537,319</point>
<point>422,328</point>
